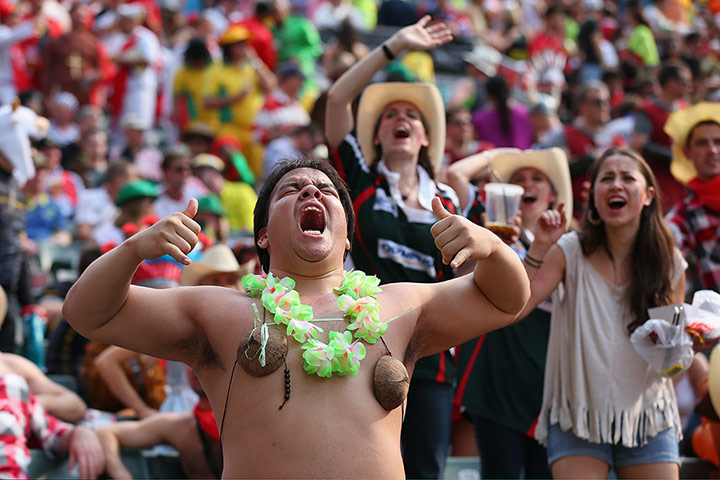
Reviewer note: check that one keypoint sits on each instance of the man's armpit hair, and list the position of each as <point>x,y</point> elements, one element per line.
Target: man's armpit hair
<point>197,346</point>
<point>415,345</point>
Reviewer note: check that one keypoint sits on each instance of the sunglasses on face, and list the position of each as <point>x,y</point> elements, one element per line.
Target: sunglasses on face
<point>598,102</point>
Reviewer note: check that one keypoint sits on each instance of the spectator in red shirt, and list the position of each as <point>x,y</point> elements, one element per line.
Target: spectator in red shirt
<point>261,37</point>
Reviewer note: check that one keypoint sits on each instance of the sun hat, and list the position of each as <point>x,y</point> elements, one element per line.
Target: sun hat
<point>216,259</point>
<point>714,379</point>
<point>197,129</point>
<point>485,58</point>
<point>136,189</point>
<point>678,126</point>
<point>234,34</point>
<point>552,162</point>
<point>207,160</point>
<point>424,96</point>
<point>3,305</point>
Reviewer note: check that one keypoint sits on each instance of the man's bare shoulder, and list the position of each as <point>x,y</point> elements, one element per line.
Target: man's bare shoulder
<point>224,315</point>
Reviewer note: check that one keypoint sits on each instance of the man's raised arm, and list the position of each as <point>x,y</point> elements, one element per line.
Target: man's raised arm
<point>103,306</point>
<point>466,307</point>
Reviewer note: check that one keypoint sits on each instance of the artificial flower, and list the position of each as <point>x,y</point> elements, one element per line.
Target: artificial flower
<point>358,285</point>
<point>281,299</point>
<point>297,312</point>
<point>353,307</point>
<point>367,327</point>
<point>318,358</point>
<point>254,284</point>
<point>347,354</point>
<point>301,330</point>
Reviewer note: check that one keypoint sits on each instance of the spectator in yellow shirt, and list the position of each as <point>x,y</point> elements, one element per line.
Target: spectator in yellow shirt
<point>234,92</point>
<point>188,85</point>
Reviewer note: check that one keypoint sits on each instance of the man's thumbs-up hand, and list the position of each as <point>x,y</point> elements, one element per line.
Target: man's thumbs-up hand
<point>175,235</point>
<point>458,238</point>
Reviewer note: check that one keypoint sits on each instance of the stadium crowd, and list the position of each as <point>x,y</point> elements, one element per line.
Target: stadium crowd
<point>114,114</point>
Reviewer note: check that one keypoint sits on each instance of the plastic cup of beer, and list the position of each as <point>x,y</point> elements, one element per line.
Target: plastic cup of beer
<point>502,201</point>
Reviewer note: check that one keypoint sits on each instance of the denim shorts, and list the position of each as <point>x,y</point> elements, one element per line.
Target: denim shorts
<point>661,448</point>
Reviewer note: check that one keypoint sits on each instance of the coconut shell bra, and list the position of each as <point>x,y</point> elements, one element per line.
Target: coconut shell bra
<point>265,348</point>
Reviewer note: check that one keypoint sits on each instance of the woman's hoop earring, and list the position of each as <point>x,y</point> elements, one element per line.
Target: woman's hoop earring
<point>594,218</point>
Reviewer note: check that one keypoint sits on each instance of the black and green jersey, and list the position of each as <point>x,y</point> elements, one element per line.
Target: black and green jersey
<point>392,241</point>
<point>505,383</point>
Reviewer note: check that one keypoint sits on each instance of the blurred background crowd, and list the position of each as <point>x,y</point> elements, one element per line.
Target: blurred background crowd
<point>138,106</point>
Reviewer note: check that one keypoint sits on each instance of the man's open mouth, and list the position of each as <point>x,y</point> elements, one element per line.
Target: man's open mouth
<point>312,220</point>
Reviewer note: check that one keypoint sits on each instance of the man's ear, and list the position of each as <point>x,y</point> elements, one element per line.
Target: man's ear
<point>262,240</point>
<point>347,244</point>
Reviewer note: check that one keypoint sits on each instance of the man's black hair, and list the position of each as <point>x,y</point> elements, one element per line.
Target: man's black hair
<point>262,206</point>
<point>197,51</point>
<point>670,71</point>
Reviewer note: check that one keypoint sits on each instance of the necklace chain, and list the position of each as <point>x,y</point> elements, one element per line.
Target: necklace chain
<point>357,299</point>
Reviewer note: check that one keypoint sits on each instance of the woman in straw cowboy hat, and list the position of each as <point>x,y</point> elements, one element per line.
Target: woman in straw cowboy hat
<point>503,393</point>
<point>621,263</point>
<point>389,158</point>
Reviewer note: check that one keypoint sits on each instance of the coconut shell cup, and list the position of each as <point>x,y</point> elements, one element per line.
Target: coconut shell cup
<point>275,352</point>
<point>391,382</point>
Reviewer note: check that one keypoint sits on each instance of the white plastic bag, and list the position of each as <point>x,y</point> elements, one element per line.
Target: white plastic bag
<point>662,341</point>
<point>703,316</point>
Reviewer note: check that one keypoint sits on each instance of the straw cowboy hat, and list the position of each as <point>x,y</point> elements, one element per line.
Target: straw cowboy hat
<point>3,305</point>
<point>552,162</point>
<point>678,126</point>
<point>714,379</point>
<point>216,259</point>
<point>424,96</point>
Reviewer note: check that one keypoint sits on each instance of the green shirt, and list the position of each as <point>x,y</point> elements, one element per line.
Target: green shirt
<point>642,44</point>
<point>298,39</point>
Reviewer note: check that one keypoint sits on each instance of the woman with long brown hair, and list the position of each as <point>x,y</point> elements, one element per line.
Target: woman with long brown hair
<point>603,405</point>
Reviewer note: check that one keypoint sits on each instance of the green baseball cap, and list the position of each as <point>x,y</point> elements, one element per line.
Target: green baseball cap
<point>136,189</point>
<point>211,204</point>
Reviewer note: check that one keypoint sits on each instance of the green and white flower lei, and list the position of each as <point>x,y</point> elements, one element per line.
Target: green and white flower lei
<point>344,351</point>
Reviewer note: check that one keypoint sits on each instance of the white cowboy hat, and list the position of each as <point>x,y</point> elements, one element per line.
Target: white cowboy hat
<point>678,126</point>
<point>216,259</point>
<point>552,162</point>
<point>485,58</point>
<point>424,96</point>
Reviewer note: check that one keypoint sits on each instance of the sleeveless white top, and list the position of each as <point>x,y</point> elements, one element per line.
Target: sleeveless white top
<point>596,384</point>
